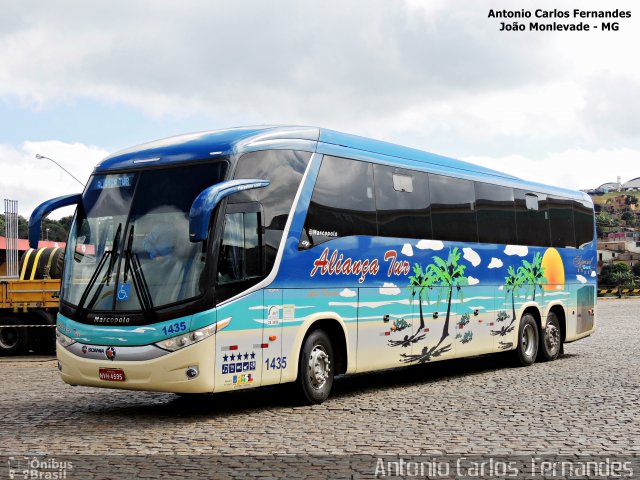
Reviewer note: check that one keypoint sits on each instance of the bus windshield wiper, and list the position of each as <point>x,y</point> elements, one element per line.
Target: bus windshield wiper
<point>107,254</point>
<point>132,264</point>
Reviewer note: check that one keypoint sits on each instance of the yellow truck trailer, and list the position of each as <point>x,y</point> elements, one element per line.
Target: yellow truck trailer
<point>28,306</point>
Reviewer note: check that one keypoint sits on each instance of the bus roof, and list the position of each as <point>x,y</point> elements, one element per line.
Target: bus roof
<point>210,144</point>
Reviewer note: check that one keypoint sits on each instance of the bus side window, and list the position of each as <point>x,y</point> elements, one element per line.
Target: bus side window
<point>561,222</point>
<point>583,221</point>
<point>532,219</point>
<point>240,251</point>
<point>402,202</point>
<point>342,203</point>
<point>496,214</point>
<point>453,215</point>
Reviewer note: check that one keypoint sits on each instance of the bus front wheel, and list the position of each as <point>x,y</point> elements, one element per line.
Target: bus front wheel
<point>527,348</point>
<point>315,370</point>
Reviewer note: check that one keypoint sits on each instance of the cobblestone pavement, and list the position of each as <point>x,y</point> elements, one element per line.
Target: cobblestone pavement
<point>586,402</point>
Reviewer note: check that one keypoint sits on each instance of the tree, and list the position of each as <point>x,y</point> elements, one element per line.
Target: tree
<point>533,274</point>
<point>513,283</point>
<point>421,282</point>
<point>446,273</point>
<point>628,217</point>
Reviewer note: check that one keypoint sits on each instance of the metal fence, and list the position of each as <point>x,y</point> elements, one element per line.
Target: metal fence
<point>11,234</point>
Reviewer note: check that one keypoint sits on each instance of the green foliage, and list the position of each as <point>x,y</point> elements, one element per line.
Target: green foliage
<point>448,273</point>
<point>58,229</point>
<point>533,274</point>
<point>636,270</point>
<point>467,337</point>
<point>420,282</point>
<point>618,274</point>
<point>464,320</point>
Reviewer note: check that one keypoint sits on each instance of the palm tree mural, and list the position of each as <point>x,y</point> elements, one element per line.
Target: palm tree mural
<point>533,274</point>
<point>419,283</point>
<point>513,282</point>
<point>444,273</point>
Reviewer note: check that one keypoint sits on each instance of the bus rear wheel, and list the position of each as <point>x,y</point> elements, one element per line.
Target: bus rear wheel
<point>551,343</point>
<point>315,369</point>
<point>527,348</point>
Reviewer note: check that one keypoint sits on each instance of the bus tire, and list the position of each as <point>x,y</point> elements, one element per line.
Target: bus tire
<point>315,368</point>
<point>13,340</point>
<point>551,343</point>
<point>527,346</point>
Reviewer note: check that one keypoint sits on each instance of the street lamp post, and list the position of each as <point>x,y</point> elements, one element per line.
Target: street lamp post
<point>48,234</point>
<point>39,157</point>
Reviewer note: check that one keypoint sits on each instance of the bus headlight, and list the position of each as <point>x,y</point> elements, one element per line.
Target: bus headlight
<point>63,339</point>
<point>176,343</point>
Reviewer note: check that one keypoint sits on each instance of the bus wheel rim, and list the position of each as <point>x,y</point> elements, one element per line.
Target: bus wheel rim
<point>319,367</point>
<point>552,338</point>
<point>528,340</point>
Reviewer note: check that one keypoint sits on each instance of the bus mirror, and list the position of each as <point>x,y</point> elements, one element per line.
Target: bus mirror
<point>45,208</point>
<point>204,204</point>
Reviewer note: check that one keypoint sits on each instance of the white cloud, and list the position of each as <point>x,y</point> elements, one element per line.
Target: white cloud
<point>348,293</point>
<point>519,250</point>
<point>471,256</point>
<point>501,287</point>
<point>31,181</point>
<point>389,289</point>
<point>407,250</point>
<point>430,245</point>
<point>473,280</point>
<point>581,279</point>
<point>558,167</point>
<point>495,263</point>
<point>593,273</point>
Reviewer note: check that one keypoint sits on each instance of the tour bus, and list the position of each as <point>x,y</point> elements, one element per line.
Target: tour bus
<point>255,256</point>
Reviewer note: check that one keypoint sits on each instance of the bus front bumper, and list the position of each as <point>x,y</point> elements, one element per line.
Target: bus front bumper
<point>167,373</point>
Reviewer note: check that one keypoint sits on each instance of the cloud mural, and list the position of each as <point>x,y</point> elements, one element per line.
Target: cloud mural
<point>473,280</point>
<point>593,273</point>
<point>407,250</point>
<point>430,245</point>
<point>519,250</point>
<point>348,293</point>
<point>581,279</point>
<point>471,256</point>
<point>495,263</point>
<point>389,289</point>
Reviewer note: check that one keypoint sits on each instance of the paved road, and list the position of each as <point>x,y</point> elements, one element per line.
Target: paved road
<point>586,402</point>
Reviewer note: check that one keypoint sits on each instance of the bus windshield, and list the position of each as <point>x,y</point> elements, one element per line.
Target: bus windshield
<point>130,240</point>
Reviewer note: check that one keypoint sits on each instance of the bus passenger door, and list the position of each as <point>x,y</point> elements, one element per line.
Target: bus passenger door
<point>272,361</point>
<point>240,266</point>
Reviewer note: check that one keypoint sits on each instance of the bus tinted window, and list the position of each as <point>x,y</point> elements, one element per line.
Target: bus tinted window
<point>583,221</point>
<point>402,202</point>
<point>284,169</point>
<point>561,222</point>
<point>452,209</point>
<point>496,214</point>
<point>342,203</point>
<point>532,219</point>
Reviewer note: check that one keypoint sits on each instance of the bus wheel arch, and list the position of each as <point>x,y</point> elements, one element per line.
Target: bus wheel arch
<point>337,335</point>
<point>322,355</point>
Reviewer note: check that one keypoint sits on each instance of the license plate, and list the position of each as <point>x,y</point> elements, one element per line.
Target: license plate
<point>111,374</point>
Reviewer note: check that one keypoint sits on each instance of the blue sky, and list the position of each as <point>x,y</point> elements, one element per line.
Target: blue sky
<point>84,79</point>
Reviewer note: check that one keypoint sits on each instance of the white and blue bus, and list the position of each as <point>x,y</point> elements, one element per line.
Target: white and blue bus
<point>263,255</point>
